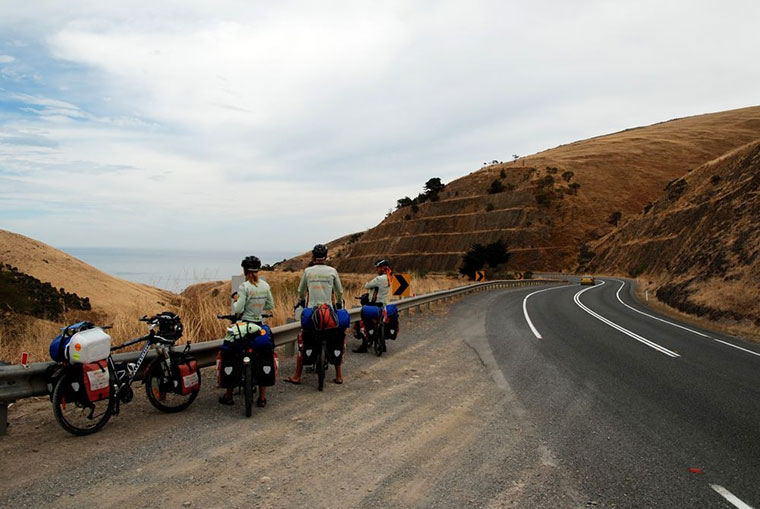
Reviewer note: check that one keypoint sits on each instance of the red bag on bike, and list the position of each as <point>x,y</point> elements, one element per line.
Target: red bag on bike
<point>96,380</point>
<point>188,375</point>
<point>324,317</point>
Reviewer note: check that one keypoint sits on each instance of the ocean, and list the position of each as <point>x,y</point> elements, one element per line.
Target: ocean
<point>170,269</point>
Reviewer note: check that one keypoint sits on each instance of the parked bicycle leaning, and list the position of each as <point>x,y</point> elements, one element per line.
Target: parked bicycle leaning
<point>88,385</point>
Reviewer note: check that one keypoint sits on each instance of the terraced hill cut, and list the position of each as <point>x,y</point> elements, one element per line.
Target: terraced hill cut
<point>700,244</point>
<point>549,207</point>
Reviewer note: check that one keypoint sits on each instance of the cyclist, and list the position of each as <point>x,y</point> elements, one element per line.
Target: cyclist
<point>321,283</point>
<point>379,293</point>
<point>253,297</point>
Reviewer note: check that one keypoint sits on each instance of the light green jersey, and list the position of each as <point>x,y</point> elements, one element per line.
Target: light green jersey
<point>380,283</point>
<point>253,300</point>
<point>320,281</point>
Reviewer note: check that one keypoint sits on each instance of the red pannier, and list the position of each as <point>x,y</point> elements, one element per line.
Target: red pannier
<point>189,380</point>
<point>96,380</point>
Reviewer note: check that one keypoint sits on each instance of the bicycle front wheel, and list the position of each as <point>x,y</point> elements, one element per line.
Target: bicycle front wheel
<point>164,390</point>
<point>72,410</point>
<point>248,387</point>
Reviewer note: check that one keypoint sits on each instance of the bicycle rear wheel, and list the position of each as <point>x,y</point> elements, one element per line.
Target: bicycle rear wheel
<point>163,389</point>
<point>248,387</point>
<point>379,344</point>
<point>71,409</point>
<point>321,365</point>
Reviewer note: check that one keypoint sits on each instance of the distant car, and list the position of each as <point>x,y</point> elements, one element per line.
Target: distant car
<point>587,280</point>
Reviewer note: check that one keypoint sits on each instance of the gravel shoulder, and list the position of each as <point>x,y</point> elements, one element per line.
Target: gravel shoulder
<point>425,425</point>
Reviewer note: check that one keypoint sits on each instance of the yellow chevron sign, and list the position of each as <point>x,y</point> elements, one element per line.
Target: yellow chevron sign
<point>401,284</point>
<point>480,275</point>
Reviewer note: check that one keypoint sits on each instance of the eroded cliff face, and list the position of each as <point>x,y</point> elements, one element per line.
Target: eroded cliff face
<point>554,204</point>
<point>700,243</point>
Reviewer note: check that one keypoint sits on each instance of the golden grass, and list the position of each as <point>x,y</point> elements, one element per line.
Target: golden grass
<point>197,306</point>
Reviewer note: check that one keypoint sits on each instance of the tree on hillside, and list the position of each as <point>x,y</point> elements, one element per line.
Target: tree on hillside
<point>615,218</point>
<point>479,255</point>
<point>433,187</point>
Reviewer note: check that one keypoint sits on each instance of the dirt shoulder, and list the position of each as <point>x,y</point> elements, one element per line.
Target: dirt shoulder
<point>423,426</point>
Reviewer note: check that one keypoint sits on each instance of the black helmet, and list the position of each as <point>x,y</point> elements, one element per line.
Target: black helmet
<point>382,262</point>
<point>251,263</point>
<point>319,251</point>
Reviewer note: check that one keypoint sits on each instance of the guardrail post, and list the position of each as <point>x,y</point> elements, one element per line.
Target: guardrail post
<point>3,417</point>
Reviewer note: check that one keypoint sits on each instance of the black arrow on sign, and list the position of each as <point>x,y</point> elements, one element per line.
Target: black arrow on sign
<point>403,284</point>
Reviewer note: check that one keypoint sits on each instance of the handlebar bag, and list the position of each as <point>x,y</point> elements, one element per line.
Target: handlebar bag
<point>96,380</point>
<point>311,346</point>
<point>265,367</point>
<point>336,346</point>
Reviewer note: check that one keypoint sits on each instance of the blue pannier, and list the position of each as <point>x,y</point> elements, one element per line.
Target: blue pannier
<point>344,319</point>
<point>390,310</point>
<point>306,322</point>
<point>371,314</point>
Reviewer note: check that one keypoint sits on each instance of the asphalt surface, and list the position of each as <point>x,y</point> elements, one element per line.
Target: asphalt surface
<point>660,417</point>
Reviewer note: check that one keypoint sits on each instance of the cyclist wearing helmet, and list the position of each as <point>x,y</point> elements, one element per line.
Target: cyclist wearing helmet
<point>379,292</point>
<point>253,297</point>
<point>321,284</point>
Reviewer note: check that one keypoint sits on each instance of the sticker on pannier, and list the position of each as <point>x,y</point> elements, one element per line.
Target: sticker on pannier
<point>336,345</point>
<point>265,368</point>
<point>311,345</point>
<point>228,369</point>
<point>187,370</point>
<point>96,380</point>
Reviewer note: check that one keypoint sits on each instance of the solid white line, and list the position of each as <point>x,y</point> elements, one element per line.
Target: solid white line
<point>525,309</point>
<point>654,317</point>
<point>737,347</point>
<point>620,328</point>
<point>681,326</point>
<point>730,497</point>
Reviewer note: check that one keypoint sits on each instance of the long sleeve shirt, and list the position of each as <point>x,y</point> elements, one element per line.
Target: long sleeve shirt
<point>253,300</point>
<point>320,281</point>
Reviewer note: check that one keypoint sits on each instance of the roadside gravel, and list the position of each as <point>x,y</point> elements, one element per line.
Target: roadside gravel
<point>425,425</point>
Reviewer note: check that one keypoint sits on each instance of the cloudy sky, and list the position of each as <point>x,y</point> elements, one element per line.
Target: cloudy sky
<point>201,124</point>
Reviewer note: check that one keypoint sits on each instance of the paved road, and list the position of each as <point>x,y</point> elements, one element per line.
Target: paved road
<point>631,401</point>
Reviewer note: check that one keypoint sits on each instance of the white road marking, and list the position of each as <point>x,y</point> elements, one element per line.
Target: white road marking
<point>680,326</point>
<point>654,317</point>
<point>525,309</point>
<point>730,497</point>
<point>620,328</point>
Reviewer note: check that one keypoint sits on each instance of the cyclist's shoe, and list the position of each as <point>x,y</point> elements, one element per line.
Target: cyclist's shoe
<point>226,401</point>
<point>261,403</point>
<point>361,349</point>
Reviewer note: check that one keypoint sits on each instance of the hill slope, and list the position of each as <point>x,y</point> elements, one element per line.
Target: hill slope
<point>556,202</point>
<point>700,243</point>
<point>107,294</point>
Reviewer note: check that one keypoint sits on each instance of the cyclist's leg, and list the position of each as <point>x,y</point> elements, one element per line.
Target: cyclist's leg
<point>296,378</point>
<point>339,367</point>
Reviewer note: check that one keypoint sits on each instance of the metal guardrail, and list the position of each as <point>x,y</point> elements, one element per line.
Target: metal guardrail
<point>18,382</point>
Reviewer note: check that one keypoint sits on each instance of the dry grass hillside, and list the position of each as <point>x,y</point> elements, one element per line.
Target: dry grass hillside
<point>553,203</point>
<point>699,245</point>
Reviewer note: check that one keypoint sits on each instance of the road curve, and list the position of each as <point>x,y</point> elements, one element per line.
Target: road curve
<point>648,411</point>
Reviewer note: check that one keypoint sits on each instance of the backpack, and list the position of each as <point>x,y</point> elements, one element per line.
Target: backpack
<point>324,317</point>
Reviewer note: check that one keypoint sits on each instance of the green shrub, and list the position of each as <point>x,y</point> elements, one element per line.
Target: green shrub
<point>496,187</point>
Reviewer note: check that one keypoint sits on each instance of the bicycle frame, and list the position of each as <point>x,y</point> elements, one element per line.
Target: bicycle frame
<point>121,394</point>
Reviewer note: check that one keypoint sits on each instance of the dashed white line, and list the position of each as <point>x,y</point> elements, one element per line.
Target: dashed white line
<point>525,309</point>
<point>730,497</point>
<point>620,328</point>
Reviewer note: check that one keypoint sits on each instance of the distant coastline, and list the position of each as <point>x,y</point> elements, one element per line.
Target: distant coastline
<point>170,269</point>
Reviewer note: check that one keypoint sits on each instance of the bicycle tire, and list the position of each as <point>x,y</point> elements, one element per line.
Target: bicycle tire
<point>72,416</point>
<point>248,388</point>
<point>378,344</point>
<point>160,388</point>
<point>321,366</point>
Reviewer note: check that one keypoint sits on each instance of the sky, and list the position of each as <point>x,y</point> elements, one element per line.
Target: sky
<point>278,125</point>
